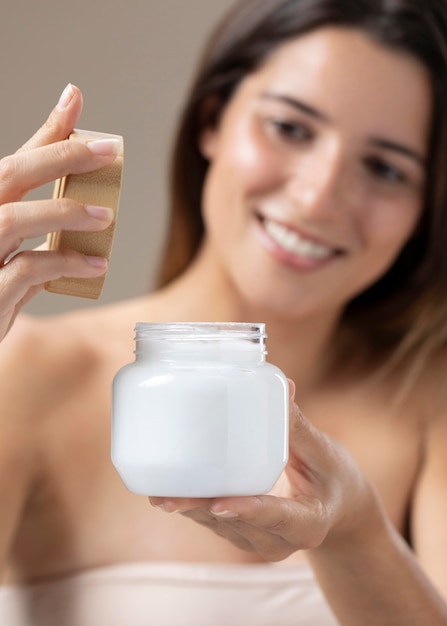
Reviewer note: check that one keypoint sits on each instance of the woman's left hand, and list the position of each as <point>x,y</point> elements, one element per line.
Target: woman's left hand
<point>319,495</point>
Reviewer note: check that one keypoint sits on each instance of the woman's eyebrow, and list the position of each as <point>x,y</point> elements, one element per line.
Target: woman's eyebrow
<point>379,142</point>
<point>297,104</point>
<point>399,148</point>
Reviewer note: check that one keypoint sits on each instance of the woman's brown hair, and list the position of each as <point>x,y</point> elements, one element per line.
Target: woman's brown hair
<point>405,312</point>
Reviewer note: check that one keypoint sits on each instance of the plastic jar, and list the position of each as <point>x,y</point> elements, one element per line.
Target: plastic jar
<point>200,413</point>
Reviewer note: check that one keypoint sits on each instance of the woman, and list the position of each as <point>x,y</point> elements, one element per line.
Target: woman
<point>307,193</point>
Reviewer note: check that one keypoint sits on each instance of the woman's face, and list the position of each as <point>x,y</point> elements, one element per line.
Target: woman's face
<point>317,171</point>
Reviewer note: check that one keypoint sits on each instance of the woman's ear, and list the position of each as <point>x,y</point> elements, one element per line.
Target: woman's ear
<point>209,126</point>
<point>208,142</point>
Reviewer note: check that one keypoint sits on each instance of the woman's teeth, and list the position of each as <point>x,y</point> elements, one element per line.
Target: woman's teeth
<point>292,242</point>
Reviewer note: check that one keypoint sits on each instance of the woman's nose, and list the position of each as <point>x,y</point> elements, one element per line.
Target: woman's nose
<point>317,185</point>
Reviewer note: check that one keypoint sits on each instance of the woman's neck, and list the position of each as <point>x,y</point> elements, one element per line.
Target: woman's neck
<point>303,348</point>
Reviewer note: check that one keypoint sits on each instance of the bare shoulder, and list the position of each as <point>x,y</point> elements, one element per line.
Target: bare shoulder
<point>40,357</point>
<point>45,359</point>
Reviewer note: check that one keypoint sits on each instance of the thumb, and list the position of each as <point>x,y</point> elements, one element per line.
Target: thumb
<point>292,389</point>
<point>305,440</point>
<point>61,121</point>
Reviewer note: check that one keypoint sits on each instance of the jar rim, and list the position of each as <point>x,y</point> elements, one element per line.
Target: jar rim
<point>193,331</point>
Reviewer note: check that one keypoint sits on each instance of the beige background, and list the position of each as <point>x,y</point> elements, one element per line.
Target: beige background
<point>133,60</point>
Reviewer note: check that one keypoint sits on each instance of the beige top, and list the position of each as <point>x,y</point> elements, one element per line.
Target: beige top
<point>172,594</point>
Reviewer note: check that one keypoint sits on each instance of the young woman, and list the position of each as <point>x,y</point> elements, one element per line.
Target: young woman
<point>307,193</point>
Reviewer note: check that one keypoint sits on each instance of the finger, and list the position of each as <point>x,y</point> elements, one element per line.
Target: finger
<point>301,523</point>
<point>24,220</point>
<point>28,169</point>
<point>301,431</point>
<point>179,505</point>
<point>220,527</point>
<point>197,509</point>
<point>272,547</point>
<point>61,120</point>
<point>32,268</point>
<point>267,523</point>
<point>306,443</point>
<point>292,389</point>
<point>7,318</point>
<point>249,533</point>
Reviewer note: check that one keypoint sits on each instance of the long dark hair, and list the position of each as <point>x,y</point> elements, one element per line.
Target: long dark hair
<point>405,312</point>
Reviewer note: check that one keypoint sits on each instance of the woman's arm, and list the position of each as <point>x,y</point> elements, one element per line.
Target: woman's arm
<point>370,576</point>
<point>324,504</point>
<point>46,157</point>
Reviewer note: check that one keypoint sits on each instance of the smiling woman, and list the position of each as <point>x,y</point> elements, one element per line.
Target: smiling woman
<point>308,195</point>
<point>368,105</point>
<point>318,187</point>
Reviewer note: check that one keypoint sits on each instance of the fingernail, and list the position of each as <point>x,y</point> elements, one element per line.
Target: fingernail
<point>155,501</point>
<point>65,97</point>
<point>104,147</point>
<point>169,507</point>
<point>165,505</point>
<point>100,212</point>
<point>97,261</point>
<point>224,514</point>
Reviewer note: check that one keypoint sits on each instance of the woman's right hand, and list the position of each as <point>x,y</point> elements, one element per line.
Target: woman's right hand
<point>48,155</point>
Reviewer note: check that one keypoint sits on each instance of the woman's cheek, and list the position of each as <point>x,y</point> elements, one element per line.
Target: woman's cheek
<point>255,161</point>
<point>394,223</point>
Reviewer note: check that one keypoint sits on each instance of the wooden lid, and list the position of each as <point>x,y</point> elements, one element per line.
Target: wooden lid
<point>102,188</point>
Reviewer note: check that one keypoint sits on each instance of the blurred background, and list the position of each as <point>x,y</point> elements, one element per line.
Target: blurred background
<point>133,61</point>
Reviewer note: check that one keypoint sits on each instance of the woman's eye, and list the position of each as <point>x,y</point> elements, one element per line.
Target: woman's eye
<point>384,171</point>
<point>291,130</point>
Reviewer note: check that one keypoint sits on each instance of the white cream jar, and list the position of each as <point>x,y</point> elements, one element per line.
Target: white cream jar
<point>200,413</point>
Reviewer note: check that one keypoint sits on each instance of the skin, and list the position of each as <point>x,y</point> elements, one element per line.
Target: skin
<point>328,176</point>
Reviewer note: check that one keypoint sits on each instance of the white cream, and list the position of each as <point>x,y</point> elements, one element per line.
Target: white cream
<point>200,414</point>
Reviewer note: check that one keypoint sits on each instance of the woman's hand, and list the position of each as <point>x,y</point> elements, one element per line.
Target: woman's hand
<point>320,493</point>
<point>45,157</point>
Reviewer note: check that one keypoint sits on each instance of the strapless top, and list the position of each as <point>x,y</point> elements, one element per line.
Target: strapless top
<point>171,594</point>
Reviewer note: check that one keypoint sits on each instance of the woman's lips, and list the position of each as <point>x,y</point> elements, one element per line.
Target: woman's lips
<point>292,248</point>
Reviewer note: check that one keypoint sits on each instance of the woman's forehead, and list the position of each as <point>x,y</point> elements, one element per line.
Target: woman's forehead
<point>352,78</point>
